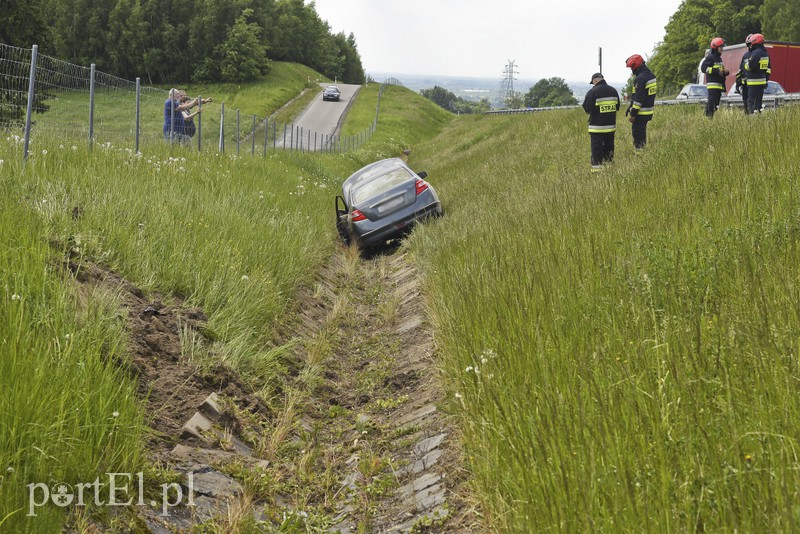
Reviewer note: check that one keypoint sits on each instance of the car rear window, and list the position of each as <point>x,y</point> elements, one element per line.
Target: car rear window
<point>380,184</point>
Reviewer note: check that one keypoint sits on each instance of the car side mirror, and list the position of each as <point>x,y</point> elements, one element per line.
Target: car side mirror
<point>422,174</point>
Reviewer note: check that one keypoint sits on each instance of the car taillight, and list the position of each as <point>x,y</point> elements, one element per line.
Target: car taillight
<point>421,186</point>
<point>357,216</point>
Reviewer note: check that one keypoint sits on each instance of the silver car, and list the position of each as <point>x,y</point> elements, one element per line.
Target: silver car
<point>382,201</point>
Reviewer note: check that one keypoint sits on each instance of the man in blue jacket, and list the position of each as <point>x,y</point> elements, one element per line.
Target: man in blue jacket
<point>601,103</point>
<point>643,102</point>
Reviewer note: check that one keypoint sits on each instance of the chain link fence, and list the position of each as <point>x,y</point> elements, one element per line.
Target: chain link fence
<point>45,96</point>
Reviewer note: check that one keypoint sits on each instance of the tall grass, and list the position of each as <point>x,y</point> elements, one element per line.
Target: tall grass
<point>622,347</point>
<point>66,414</point>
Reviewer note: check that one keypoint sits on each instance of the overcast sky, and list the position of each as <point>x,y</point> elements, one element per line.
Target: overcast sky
<point>477,38</point>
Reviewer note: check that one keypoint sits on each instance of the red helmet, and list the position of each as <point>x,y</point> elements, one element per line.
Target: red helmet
<point>756,38</point>
<point>749,36</point>
<point>717,42</point>
<point>634,62</point>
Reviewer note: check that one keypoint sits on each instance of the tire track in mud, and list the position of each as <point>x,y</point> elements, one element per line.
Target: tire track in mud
<point>372,410</point>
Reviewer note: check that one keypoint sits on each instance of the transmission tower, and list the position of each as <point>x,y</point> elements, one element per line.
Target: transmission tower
<point>508,80</point>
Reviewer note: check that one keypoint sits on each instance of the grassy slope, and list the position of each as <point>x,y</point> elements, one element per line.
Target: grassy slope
<point>236,236</point>
<point>624,346</point>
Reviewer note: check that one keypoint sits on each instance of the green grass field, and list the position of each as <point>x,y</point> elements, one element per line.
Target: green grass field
<point>620,350</point>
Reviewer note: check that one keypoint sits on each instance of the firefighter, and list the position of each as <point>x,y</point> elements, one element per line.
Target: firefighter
<point>643,101</point>
<point>757,70</point>
<point>715,73</point>
<point>741,81</point>
<point>602,104</point>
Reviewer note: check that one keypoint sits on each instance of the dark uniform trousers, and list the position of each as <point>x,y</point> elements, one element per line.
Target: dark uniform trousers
<point>602,147</point>
<point>755,97</point>
<point>714,96</point>
<point>639,131</point>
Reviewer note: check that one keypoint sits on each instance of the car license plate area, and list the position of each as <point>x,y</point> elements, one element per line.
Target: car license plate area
<point>389,205</point>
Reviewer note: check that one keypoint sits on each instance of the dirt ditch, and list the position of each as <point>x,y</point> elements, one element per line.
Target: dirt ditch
<point>356,439</point>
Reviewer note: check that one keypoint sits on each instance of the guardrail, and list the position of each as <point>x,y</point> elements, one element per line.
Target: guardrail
<point>770,101</point>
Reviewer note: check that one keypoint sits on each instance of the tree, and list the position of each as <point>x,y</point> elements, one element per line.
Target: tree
<point>243,56</point>
<point>440,96</point>
<point>548,93</point>
<point>22,23</point>
<point>781,20</point>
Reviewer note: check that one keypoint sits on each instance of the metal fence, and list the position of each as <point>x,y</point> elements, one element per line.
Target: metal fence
<point>41,95</point>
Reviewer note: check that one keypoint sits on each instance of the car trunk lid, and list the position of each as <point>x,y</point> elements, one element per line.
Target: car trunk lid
<point>390,201</point>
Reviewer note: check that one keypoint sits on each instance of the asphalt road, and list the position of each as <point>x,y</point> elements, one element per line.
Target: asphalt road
<point>320,121</point>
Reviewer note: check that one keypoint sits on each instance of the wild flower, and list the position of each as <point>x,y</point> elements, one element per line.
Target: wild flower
<point>1,162</point>
<point>44,152</point>
<point>245,277</point>
<point>115,414</point>
<point>16,297</point>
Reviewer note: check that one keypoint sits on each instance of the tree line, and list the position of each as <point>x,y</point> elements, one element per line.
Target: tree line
<point>696,22</point>
<point>547,92</point>
<point>171,41</point>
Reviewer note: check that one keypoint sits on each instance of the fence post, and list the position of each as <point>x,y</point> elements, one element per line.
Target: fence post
<point>275,136</point>
<point>253,135</point>
<point>199,121</point>
<point>31,94</point>
<point>266,134</point>
<point>237,132</point>
<point>91,104</point>
<point>138,111</point>
<point>222,129</point>
<point>284,136</point>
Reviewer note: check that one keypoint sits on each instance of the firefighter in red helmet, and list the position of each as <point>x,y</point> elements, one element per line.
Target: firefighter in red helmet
<point>716,73</point>
<point>640,112</point>
<point>741,80</point>
<point>757,70</point>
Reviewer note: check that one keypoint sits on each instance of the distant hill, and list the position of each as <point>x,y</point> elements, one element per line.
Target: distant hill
<point>471,88</point>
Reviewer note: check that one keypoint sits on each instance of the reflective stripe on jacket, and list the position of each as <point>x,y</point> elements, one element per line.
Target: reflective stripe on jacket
<point>602,103</point>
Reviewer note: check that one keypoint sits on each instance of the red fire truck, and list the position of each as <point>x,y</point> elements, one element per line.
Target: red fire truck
<point>784,59</point>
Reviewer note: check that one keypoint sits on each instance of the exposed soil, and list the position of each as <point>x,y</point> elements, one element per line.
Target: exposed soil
<point>362,443</point>
<point>172,386</point>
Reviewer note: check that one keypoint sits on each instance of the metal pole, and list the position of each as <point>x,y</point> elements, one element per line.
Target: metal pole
<point>600,58</point>
<point>138,110</point>
<point>91,104</point>
<point>315,141</point>
<point>171,97</point>
<point>31,94</point>
<point>266,135</point>
<point>222,129</point>
<point>199,121</point>
<point>237,132</point>
<point>274,136</point>
<point>284,137</point>
<point>253,135</point>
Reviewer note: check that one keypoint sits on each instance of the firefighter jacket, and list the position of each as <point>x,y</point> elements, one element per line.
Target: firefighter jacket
<point>644,93</point>
<point>602,103</point>
<point>740,75</point>
<point>713,68</point>
<point>756,67</point>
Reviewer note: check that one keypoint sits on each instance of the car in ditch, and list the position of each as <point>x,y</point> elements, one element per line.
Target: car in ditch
<point>383,201</point>
<point>331,93</point>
